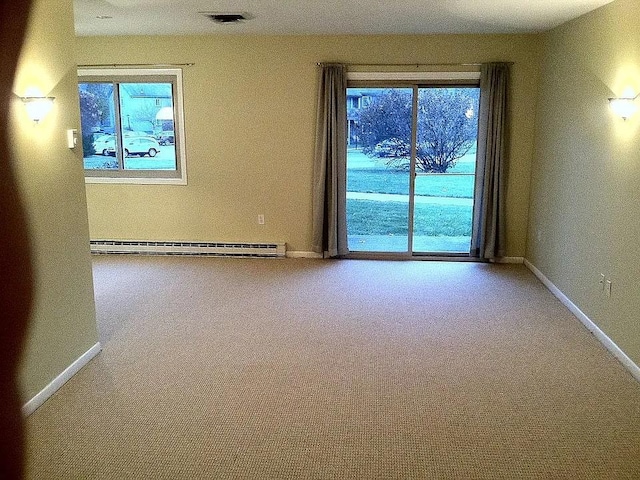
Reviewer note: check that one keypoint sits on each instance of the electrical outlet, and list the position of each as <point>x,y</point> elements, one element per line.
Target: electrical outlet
<point>601,281</point>
<point>608,287</point>
<point>261,219</point>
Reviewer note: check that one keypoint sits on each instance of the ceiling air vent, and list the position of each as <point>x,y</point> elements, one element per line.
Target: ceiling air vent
<point>227,18</point>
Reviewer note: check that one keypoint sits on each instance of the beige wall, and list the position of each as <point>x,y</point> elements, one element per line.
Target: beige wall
<point>250,114</point>
<point>51,178</point>
<point>585,202</point>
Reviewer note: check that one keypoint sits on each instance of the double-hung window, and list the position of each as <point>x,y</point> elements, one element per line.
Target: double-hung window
<point>132,125</point>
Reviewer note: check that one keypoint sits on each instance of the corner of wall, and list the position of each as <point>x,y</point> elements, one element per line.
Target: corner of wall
<point>51,181</point>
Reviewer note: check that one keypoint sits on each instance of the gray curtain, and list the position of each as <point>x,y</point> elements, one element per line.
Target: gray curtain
<point>488,236</point>
<point>330,167</point>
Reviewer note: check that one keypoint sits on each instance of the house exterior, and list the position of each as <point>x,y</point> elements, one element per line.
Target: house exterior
<point>140,104</point>
<point>357,98</point>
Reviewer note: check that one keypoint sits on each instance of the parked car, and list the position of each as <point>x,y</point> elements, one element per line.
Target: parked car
<point>392,147</point>
<point>138,146</point>
<point>103,143</point>
<point>134,133</point>
<point>166,137</point>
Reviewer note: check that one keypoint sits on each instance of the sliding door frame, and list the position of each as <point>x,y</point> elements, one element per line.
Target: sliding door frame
<point>412,167</point>
<point>471,80</point>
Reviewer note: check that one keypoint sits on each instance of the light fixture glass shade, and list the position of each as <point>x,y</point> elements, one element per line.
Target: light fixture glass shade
<point>623,107</point>
<point>38,107</point>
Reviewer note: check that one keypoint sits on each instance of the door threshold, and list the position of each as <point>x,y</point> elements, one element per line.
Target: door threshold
<point>460,257</point>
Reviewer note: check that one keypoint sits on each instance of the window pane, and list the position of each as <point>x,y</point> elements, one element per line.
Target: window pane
<point>132,125</point>
<point>378,176</point>
<point>98,126</point>
<point>146,118</point>
<point>447,132</point>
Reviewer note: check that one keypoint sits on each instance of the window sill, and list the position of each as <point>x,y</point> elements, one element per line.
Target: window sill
<point>137,181</point>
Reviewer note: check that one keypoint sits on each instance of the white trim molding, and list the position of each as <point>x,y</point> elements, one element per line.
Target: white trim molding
<point>516,260</point>
<point>155,177</point>
<point>300,254</point>
<point>42,396</point>
<point>413,76</point>
<point>609,344</point>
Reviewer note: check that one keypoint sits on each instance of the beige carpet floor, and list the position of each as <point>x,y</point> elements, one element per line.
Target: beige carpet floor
<point>299,369</point>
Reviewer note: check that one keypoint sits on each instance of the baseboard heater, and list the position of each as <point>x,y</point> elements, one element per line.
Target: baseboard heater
<point>201,249</point>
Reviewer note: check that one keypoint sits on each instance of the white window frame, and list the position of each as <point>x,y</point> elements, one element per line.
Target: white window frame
<point>144,177</point>
<point>472,75</point>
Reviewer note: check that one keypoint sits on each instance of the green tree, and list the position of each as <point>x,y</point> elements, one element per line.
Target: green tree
<point>146,113</point>
<point>103,93</point>
<point>447,127</point>
<point>89,118</point>
<point>89,111</point>
<point>387,118</point>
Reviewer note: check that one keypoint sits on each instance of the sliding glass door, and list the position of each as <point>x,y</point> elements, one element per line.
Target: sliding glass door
<point>380,128</point>
<point>445,165</point>
<point>411,169</point>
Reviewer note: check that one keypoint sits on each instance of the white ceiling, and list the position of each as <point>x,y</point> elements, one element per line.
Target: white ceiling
<point>168,17</point>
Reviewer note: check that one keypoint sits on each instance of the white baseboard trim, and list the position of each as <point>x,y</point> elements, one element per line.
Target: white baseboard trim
<point>299,254</point>
<point>42,396</point>
<point>609,344</point>
<point>516,260</point>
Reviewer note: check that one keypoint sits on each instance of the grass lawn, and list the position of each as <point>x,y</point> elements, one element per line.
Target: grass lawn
<point>368,217</point>
<point>369,175</point>
<point>390,218</point>
<point>389,181</point>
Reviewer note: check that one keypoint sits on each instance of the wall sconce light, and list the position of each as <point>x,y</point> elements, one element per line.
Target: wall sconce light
<point>624,107</point>
<point>38,107</point>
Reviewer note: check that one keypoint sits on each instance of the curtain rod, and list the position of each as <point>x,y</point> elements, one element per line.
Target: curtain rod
<point>407,64</point>
<point>116,65</point>
<point>410,64</point>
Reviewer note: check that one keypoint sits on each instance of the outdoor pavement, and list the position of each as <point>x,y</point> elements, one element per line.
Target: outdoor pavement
<point>399,243</point>
<point>393,197</point>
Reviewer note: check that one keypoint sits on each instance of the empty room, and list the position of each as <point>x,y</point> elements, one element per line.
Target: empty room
<point>333,239</point>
